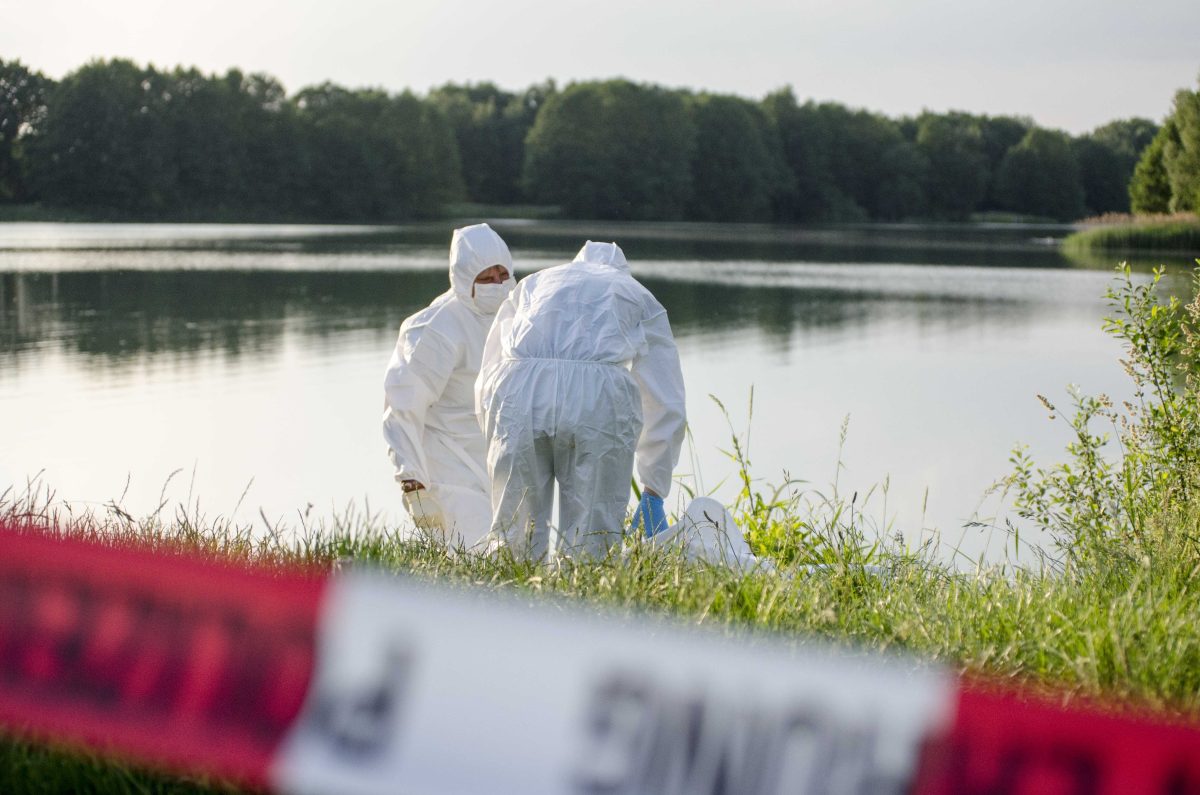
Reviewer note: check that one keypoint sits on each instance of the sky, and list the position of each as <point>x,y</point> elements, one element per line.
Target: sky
<point>1068,64</point>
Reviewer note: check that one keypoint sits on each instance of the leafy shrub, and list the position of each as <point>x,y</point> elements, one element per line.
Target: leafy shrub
<point>1103,510</point>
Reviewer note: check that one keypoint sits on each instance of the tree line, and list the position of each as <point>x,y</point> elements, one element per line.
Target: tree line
<point>115,139</point>
<point>1167,176</point>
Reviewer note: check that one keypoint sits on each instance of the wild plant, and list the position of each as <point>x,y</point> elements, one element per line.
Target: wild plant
<point>794,525</point>
<point>1104,505</point>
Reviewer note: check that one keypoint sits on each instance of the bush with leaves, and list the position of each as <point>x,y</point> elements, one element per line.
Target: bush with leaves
<point>1104,511</point>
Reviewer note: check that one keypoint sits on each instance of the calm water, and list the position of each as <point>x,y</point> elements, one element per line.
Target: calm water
<point>250,358</point>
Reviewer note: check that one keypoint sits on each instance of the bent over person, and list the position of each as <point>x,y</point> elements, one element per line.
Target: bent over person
<point>579,371</point>
<point>429,416</point>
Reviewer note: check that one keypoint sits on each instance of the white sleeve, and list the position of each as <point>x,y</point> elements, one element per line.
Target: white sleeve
<point>664,416</point>
<point>493,351</point>
<point>416,376</point>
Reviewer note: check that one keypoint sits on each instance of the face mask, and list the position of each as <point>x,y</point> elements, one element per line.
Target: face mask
<point>488,297</point>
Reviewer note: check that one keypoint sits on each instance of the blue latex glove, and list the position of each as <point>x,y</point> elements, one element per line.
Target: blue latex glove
<point>650,515</point>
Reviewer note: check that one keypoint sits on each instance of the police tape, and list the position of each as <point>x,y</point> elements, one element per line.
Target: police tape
<point>373,684</point>
<point>164,658</point>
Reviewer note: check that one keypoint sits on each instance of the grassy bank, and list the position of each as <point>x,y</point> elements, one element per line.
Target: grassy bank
<point>1111,612</point>
<point>1178,234</point>
<point>1130,633</point>
<point>28,213</point>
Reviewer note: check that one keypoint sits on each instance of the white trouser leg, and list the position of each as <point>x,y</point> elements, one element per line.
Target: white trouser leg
<point>593,477</point>
<point>522,492</point>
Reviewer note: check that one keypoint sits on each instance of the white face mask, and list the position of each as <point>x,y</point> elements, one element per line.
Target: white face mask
<point>488,297</point>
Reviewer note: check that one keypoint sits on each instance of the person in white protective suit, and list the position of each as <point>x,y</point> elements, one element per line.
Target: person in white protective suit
<point>580,370</point>
<point>429,414</point>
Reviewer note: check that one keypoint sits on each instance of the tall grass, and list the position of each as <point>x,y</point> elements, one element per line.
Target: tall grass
<point>1179,233</point>
<point>1110,611</point>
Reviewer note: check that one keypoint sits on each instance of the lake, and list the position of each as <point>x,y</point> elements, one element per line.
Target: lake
<point>248,359</point>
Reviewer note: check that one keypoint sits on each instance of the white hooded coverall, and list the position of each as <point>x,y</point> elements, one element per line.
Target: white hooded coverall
<point>429,416</point>
<point>579,370</point>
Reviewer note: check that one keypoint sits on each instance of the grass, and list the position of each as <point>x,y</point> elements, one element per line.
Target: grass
<point>1004,217</point>
<point>1111,614</point>
<point>1179,233</point>
<point>16,213</point>
<point>1130,636</point>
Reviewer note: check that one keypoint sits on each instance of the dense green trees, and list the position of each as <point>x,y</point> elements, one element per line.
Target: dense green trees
<point>119,140</point>
<point>490,126</point>
<point>1107,157</point>
<point>1181,153</point>
<point>1150,188</point>
<point>397,152</point>
<point>102,141</point>
<point>22,108</point>
<point>614,149</point>
<point>1040,176</point>
<point>738,171</point>
<point>1167,178</point>
<point>958,174</point>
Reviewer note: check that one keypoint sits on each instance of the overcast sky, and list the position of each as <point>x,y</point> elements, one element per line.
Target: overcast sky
<point>1072,64</point>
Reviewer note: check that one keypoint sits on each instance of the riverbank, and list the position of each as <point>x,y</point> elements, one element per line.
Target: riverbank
<point>37,213</point>
<point>1160,234</point>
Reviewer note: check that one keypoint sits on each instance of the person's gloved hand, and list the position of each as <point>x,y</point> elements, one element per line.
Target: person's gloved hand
<point>650,514</point>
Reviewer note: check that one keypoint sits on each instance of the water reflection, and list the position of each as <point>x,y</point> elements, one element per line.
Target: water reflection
<point>122,314</point>
<point>113,316</point>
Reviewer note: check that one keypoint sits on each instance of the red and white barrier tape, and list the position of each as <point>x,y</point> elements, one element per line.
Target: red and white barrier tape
<point>373,684</point>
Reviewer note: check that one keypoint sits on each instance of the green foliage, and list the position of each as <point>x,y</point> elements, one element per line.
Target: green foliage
<point>1150,188</point>
<point>999,134</point>
<point>849,165</point>
<point>102,142</point>
<point>28,768</point>
<point>807,146</point>
<point>792,525</point>
<point>1105,179</point>
<point>1181,153</point>
<point>22,108</point>
<point>396,151</point>
<point>615,149</point>
<point>1127,137</point>
<point>1178,233</point>
<point>124,141</point>
<point>1167,178</point>
<point>1107,511</point>
<point>1107,158</point>
<point>738,170</point>
<point>958,172</point>
<point>1040,176</point>
<point>116,140</point>
<point>490,126</point>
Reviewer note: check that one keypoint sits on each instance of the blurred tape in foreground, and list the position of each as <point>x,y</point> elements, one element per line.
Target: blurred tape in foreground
<point>367,683</point>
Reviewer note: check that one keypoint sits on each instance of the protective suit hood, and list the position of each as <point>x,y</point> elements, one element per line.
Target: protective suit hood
<point>474,249</point>
<point>609,254</point>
